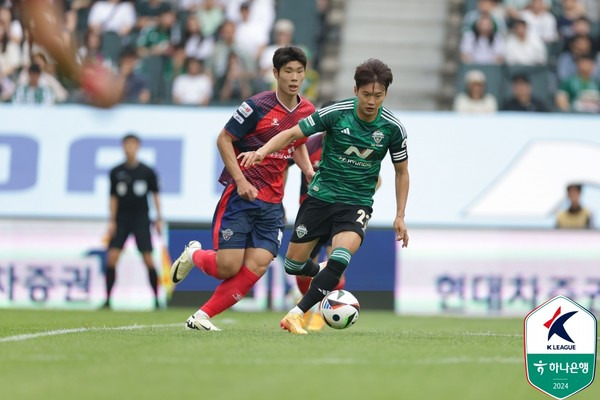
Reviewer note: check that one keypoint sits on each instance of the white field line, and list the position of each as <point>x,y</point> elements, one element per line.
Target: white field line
<point>28,336</point>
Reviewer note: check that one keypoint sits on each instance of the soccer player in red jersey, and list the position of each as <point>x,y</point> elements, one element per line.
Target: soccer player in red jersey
<point>249,218</point>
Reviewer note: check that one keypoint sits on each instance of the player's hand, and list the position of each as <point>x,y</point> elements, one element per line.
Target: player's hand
<point>249,158</point>
<point>401,231</point>
<point>246,190</point>
<point>102,87</point>
<point>158,225</point>
<point>112,229</point>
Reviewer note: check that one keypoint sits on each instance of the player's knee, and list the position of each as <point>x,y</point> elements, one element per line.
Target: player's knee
<point>293,267</point>
<point>228,269</point>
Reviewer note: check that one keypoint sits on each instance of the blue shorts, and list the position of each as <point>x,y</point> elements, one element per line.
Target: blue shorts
<point>242,224</point>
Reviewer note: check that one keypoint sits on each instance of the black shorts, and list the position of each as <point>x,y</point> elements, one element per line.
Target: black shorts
<point>321,220</point>
<point>139,226</point>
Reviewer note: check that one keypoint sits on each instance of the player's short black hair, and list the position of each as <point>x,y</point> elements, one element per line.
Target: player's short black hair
<point>284,55</point>
<point>520,78</point>
<point>373,71</point>
<point>131,136</point>
<point>35,69</point>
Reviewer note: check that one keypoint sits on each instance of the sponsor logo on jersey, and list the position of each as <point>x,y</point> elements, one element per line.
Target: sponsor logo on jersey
<point>227,234</point>
<point>377,136</point>
<point>245,109</point>
<point>140,188</point>
<point>301,231</point>
<point>346,131</point>
<point>275,122</point>
<point>364,153</point>
<point>238,117</point>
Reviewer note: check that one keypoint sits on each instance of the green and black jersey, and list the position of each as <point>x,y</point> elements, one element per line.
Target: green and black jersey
<point>352,151</point>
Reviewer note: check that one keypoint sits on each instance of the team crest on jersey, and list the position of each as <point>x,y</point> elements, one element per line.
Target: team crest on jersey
<point>301,231</point>
<point>227,234</point>
<point>245,109</point>
<point>377,136</point>
<point>275,122</point>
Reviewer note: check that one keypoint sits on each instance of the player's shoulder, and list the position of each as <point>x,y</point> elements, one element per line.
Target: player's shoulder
<point>117,168</point>
<point>145,167</point>
<point>339,107</point>
<point>260,104</point>
<point>392,120</point>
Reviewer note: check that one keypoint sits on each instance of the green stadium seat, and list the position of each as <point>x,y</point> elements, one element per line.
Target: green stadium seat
<point>154,70</point>
<point>494,78</point>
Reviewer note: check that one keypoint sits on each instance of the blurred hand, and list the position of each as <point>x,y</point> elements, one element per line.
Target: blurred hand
<point>250,158</point>
<point>310,175</point>
<point>246,190</point>
<point>112,229</point>
<point>401,231</point>
<point>102,87</point>
<point>158,225</point>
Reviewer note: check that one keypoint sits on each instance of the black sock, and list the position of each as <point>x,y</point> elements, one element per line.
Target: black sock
<point>110,281</point>
<point>323,283</point>
<point>153,281</point>
<point>310,268</point>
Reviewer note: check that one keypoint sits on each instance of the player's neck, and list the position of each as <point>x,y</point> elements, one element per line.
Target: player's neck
<point>132,163</point>
<point>290,101</point>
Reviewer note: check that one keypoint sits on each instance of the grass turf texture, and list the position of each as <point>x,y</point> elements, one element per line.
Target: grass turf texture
<point>383,356</point>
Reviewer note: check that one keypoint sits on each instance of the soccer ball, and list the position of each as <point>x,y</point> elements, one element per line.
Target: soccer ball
<point>339,309</point>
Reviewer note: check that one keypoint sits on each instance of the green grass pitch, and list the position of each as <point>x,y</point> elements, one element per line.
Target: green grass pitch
<point>149,355</point>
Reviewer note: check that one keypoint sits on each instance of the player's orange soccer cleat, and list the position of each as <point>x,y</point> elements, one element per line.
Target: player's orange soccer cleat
<point>315,323</point>
<point>294,324</point>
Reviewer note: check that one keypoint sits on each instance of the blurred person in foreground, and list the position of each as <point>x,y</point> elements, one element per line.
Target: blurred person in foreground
<point>475,99</point>
<point>575,216</point>
<point>522,98</point>
<point>359,133</point>
<point>130,184</point>
<point>43,20</point>
<point>249,218</point>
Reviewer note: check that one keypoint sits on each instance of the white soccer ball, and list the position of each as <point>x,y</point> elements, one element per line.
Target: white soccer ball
<point>340,309</point>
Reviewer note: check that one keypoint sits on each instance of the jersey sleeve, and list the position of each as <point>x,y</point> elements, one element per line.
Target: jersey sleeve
<point>314,123</point>
<point>153,182</point>
<point>113,183</point>
<point>398,145</point>
<point>244,120</point>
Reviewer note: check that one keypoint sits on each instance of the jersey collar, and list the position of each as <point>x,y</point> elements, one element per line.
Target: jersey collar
<point>284,106</point>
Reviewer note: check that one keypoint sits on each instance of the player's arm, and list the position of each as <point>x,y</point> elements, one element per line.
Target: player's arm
<point>402,183</point>
<point>112,223</point>
<point>225,146</point>
<point>277,142</point>
<point>302,160</point>
<point>158,222</point>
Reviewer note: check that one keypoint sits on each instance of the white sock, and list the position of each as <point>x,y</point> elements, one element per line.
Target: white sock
<point>201,314</point>
<point>296,310</point>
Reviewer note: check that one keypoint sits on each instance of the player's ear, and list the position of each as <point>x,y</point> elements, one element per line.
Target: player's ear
<point>355,90</point>
<point>275,73</point>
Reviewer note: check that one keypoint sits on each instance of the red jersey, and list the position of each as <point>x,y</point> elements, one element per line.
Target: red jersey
<point>257,120</point>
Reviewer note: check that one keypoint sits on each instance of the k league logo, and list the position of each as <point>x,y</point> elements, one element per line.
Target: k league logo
<point>560,347</point>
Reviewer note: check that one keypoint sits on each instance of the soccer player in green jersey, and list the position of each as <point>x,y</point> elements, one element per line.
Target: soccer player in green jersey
<point>359,132</point>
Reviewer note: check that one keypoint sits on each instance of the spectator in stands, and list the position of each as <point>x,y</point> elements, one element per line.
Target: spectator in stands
<point>540,20</point>
<point>112,16</point>
<point>514,8</point>
<point>475,99</point>
<point>522,98</point>
<point>210,16</point>
<point>136,88</point>
<point>567,65</point>
<point>11,56</point>
<point>571,10</point>
<point>575,216</point>
<point>193,87</point>
<point>47,79</point>
<point>32,92</point>
<point>581,92</point>
<point>148,12</point>
<point>158,40</point>
<point>283,32</point>
<point>196,44</point>
<point>481,44</point>
<point>237,84</point>
<point>524,47</point>
<point>7,88</point>
<point>250,35</point>
<point>583,27</point>
<point>91,51</point>
<point>484,8</point>
<point>219,63</point>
